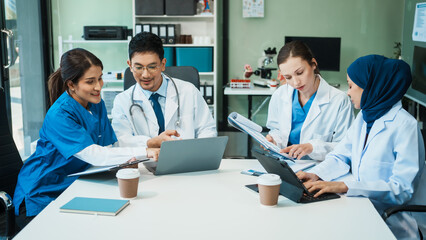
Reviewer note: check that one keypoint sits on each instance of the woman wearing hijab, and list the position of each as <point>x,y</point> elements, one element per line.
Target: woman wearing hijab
<point>383,149</point>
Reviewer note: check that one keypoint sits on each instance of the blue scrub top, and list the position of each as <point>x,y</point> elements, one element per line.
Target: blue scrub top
<point>67,129</point>
<point>298,117</point>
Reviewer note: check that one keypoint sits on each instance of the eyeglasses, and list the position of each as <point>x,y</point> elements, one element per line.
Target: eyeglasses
<point>150,68</point>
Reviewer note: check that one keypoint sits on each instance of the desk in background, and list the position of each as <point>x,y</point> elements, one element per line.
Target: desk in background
<point>250,92</point>
<point>205,205</point>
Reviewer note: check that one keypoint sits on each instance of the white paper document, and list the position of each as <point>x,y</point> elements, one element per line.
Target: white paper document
<point>419,27</point>
<point>297,165</point>
<point>99,169</point>
<point>254,130</point>
<point>301,165</point>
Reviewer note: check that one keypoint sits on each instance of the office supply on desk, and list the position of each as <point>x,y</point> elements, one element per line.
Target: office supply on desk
<point>297,165</point>
<point>254,130</point>
<point>100,206</point>
<point>252,172</point>
<point>301,165</point>
<point>189,155</point>
<point>99,169</point>
<point>292,187</point>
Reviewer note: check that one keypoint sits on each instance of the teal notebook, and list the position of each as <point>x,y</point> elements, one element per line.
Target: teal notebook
<point>99,206</point>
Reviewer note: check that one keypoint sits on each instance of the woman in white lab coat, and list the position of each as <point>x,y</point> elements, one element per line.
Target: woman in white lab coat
<point>306,116</point>
<point>182,112</point>
<point>383,149</point>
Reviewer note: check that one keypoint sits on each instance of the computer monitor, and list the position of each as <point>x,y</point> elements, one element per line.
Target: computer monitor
<point>326,50</point>
<point>419,69</point>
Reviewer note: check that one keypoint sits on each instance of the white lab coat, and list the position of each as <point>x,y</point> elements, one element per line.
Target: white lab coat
<point>387,170</point>
<point>325,125</point>
<point>195,120</point>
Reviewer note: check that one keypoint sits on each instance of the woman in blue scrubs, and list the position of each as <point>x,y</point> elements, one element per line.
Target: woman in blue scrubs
<point>383,149</point>
<point>76,134</point>
<point>306,116</point>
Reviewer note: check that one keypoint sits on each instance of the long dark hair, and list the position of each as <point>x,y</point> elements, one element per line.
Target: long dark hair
<point>297,49</point>
<point>74,63</point>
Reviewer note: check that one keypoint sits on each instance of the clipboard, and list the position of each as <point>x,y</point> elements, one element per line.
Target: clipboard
<point>99,169</point>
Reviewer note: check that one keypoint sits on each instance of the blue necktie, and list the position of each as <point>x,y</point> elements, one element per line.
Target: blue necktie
<point>158,112</point>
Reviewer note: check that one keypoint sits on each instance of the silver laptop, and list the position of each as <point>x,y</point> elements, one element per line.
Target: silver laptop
<point>189,155</point>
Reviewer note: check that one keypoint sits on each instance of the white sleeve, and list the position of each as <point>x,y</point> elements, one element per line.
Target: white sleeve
<point>407,167</point>
<point>343,122</point>
<point>104,156</point>
<point>338,162</point>
<point>205,125</point>
<point>123,126</point>
<point>273,120</point>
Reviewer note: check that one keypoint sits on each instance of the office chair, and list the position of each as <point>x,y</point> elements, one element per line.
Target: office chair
<point>10,164</point>
<point>186,73</point>
<point>409,208</point>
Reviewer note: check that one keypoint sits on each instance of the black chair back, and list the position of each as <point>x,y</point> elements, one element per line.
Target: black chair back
<point>10,161</point>
<point>10,165</point>
<point>186,73</point>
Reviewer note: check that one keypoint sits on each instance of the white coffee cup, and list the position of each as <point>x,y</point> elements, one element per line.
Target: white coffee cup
<point>128,180</point>
<point>269,189</point>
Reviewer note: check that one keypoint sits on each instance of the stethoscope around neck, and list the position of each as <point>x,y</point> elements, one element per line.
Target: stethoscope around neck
<point>177,123</point>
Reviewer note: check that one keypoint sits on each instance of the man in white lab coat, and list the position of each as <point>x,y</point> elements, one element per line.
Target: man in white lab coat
<point>158,108</point>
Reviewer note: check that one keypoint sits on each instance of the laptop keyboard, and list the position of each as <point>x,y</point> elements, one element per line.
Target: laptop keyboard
<point>307,198</point>
<point>151,166</point>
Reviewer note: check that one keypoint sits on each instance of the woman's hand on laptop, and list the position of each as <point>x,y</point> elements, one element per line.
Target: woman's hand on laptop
<point>307,177</point>
<point>167,135</point>
<point>320,187</point>
<point>153,153</point>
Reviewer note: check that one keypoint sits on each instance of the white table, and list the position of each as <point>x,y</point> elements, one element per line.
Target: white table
<point>205,205</point>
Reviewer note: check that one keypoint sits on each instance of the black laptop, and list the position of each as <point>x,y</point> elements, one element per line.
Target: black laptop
<point>292,187</point>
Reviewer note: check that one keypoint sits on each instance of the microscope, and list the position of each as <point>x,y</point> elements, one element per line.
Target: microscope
<point>265,68</point>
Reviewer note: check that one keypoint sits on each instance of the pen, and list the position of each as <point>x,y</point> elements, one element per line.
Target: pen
<point>252,172</point>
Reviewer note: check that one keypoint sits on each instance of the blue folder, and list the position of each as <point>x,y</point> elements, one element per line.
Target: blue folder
<point>100,206</point>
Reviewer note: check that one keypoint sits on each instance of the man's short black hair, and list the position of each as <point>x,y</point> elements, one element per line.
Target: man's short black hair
<point>146,42</point>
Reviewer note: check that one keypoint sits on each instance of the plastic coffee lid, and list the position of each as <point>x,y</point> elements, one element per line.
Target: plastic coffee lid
<point>269,179</point>
<point>128,173</point>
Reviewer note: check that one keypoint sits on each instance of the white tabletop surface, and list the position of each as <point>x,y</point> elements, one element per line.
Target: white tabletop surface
<point>205,205</point>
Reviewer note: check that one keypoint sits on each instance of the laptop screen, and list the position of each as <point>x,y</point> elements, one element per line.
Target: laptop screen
<point>281,168</point>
